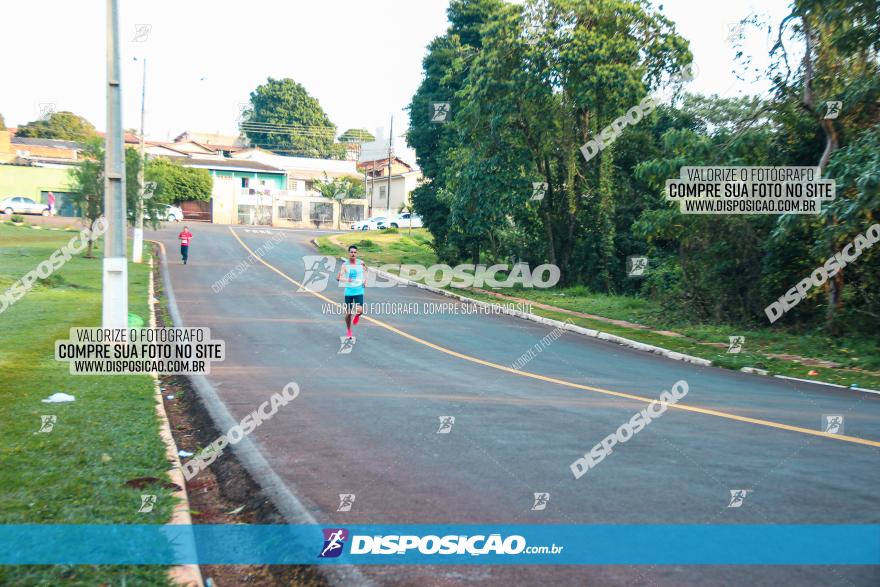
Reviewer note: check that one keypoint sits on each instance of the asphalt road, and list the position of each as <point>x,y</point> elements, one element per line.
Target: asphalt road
<point>366,422</point>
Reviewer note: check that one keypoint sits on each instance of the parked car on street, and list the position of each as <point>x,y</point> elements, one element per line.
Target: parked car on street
<point>171,213</point>
<point>22,205</point>
<point>165,212</point>
<point>402,220</point>
<point>368,224</point>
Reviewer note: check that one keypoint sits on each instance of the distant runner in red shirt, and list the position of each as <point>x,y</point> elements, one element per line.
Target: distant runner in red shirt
<point>185,236</point>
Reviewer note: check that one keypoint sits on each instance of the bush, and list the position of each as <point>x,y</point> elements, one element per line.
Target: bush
<point>17,218</point>
<point>664,283</point>
<point>367,245</point>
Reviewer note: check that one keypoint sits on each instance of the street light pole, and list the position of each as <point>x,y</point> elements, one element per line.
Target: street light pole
<point>115,278</point>
<point>137,253</point>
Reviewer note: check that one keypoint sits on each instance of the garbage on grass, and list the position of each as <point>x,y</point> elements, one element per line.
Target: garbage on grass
<point>185,453</point>
<point>59,398</point>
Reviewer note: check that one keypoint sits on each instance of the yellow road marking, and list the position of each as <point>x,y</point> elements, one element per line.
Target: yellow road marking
<point>647,400</point>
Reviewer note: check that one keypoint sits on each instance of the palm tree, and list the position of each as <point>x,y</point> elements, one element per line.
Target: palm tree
<point>408,207</point>
<point>340,189</point>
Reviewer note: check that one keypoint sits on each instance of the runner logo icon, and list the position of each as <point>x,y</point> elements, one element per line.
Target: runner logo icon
<point>318,270</point>
<point>446,423</point>
<point>541,500</point>
<point>737,497</point>
<point>832,423</point>
<point>346,500</point>
<point>334,540</point>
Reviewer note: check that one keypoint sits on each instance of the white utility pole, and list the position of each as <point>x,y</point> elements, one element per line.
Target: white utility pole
<point>115,292</point>
<point>390,152</point>
<point>137,252</point>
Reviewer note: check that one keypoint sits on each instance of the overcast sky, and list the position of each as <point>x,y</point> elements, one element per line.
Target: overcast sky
<point>360,59</point>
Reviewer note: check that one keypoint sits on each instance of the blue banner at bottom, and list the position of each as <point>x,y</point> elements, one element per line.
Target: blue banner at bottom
<point>441,544</point>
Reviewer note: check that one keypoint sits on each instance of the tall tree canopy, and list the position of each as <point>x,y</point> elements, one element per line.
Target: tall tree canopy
<point>284,118</point>
<point>356,135</point>
<point>58,125</point>
<point>529,84</point>
<point>532,84</point>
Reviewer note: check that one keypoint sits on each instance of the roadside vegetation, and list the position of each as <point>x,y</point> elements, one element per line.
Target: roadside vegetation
<point>525,95</point>
<point>779,351</point>
<point>77,472</point>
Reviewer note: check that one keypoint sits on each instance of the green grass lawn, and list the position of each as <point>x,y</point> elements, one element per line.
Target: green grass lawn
<point>60,477</point>
<point>376,247</point>
<point>849,352</point>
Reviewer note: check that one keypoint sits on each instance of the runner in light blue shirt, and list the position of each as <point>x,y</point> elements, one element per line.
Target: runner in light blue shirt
<point>352,274</point>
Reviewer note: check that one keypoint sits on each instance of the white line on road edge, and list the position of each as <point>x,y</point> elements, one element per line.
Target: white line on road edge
<point>248,453</point>
<point>190,574</point>
<point>866,390</point>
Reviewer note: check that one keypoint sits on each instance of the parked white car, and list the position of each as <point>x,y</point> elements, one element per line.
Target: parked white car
<point>402,220</point>
<point>368,224</point>
<point>164,212</point>
<point>170,213</point>
<point>22,205</point>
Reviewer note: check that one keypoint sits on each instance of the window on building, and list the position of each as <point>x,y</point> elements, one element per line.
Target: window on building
<point>383,191</point>
<point>310,186</point>
<point>320,211</point>
<point>291,211</point>
<point>245,182</point>
<point>291,184</point>
<point>351,212</point>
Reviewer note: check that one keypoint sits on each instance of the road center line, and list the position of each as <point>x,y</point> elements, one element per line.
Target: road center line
<point>638,398</point>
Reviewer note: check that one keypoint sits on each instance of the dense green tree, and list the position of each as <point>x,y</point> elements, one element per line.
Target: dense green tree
<point>284,118</point>
<point>530,84</point>
<point>58,125</point>
<point>445,68</point>
<point>531,96</point>
<point>176,183</point>
<point>87,181</point>
<point>709,262</point>
<point>839,40</point>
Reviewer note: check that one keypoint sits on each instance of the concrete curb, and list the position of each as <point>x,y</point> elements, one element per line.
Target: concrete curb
<point>496,308</point>
<point>247,452</point>
<point>865,389</point>
<point>674,355</point>
<point>188,575</point>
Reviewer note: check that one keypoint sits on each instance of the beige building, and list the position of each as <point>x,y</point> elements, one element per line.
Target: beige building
<point>386,197</point>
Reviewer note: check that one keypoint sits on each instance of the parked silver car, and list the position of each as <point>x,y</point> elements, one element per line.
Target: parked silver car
<point>22,205</point>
